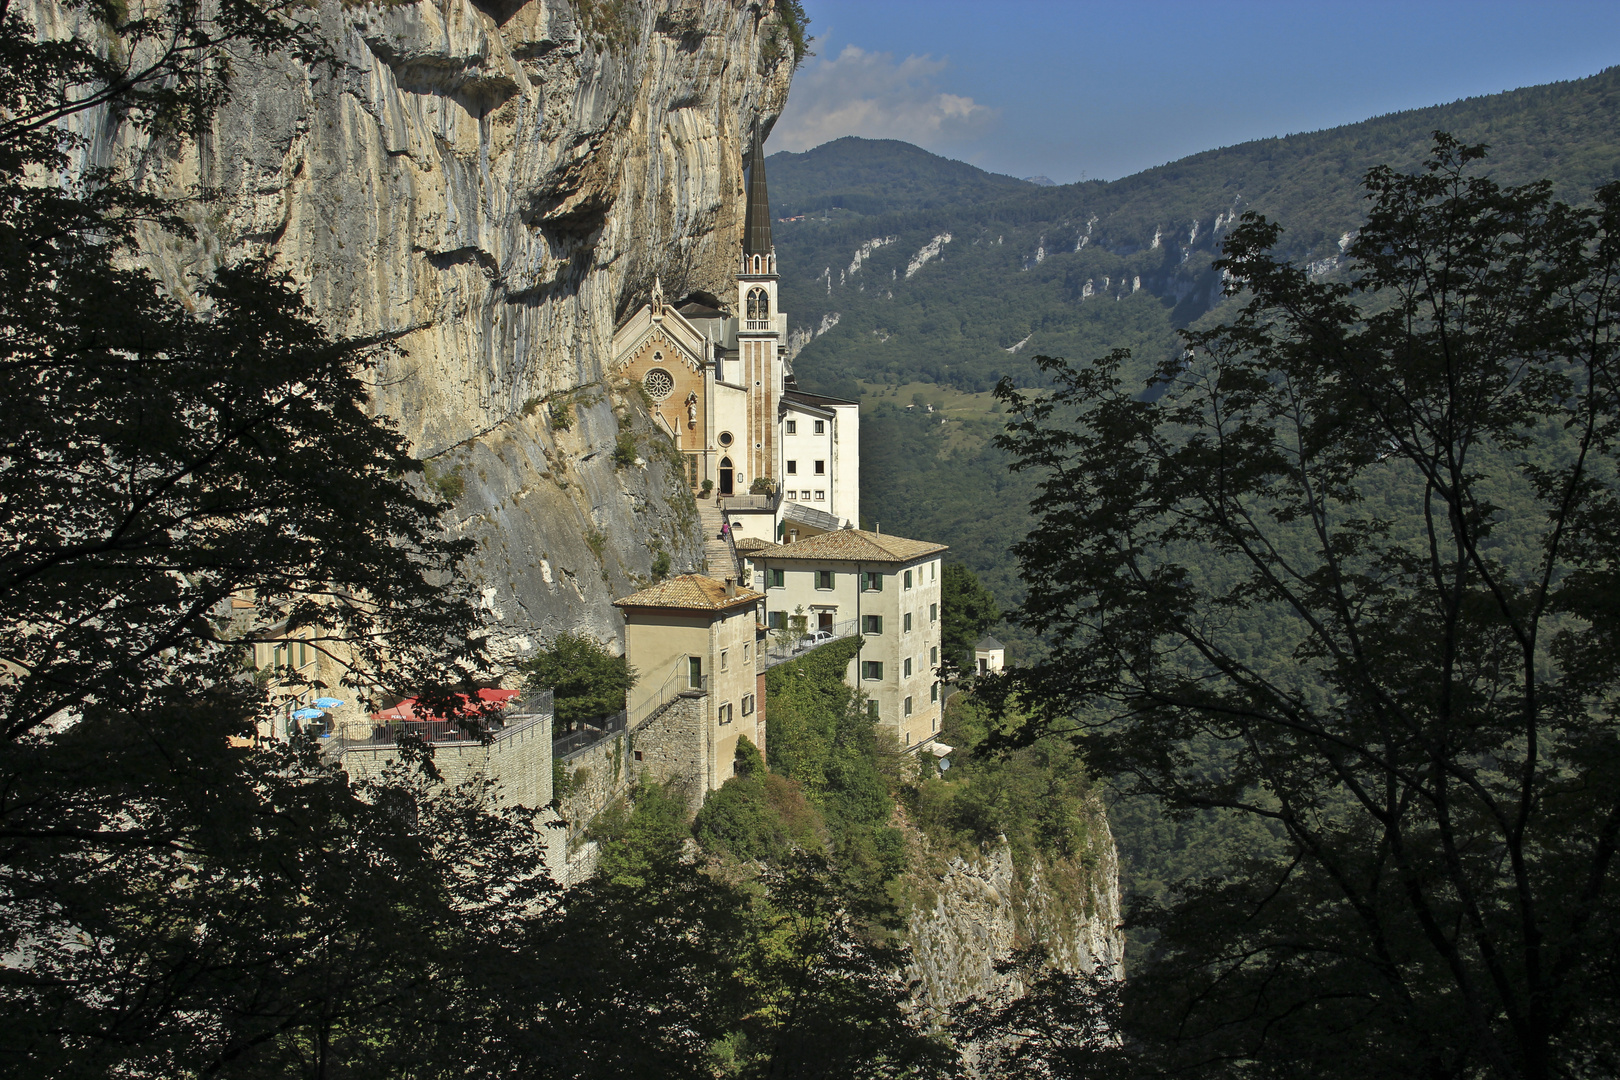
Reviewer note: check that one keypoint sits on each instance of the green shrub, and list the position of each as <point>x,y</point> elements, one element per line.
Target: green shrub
<point>642,837</point>
<point>445,480</point>
<point>586,680</point>
<point>624,451</point>
<point>1038,797</point>
<point>822,737</point>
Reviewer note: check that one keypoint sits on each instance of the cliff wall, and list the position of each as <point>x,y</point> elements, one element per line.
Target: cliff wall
<point>971,909</point>
<point>497,182</point>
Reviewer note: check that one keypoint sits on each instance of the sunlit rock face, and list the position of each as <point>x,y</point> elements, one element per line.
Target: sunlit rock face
<point>495,183</point>
<point>969,910</point>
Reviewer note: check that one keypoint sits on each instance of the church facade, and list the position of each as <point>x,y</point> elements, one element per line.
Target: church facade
<point>782,462</point>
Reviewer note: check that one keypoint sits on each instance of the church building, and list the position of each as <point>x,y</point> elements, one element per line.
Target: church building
<point>780,461</point>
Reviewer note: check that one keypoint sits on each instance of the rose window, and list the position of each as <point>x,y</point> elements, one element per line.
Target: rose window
<point>659,383</point>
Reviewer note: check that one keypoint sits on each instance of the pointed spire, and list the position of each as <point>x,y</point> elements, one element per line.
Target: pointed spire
<point>757,220</point>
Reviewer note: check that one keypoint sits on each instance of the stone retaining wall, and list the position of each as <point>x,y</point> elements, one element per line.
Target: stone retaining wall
<point>519,762</point>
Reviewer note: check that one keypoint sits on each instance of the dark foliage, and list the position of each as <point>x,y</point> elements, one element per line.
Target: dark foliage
<point>967,611</point>
<point>1057,1025</point>
<point>676,965</point>
<point>1405,483</point>
<point>180,903</point>
<point>586,680</point>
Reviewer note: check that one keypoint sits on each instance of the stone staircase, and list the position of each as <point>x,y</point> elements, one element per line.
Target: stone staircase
<point>719,554</point>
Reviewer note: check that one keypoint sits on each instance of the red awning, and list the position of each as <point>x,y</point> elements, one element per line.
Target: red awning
<point>487,701</point>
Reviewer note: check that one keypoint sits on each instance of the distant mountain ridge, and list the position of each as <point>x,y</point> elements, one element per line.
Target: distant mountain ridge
<point>877,176</point>
<point>916,292</point>
<point>908,266</point>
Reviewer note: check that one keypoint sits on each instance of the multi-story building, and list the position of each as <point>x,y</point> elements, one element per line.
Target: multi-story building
<point>883,587</point>
<point>721,386</point>
<point>691,640</point>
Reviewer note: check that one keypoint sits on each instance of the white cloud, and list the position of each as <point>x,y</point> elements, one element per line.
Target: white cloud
<point>870,95</point>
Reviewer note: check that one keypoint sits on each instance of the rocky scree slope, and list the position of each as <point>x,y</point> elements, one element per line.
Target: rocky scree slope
<point>497,183</point>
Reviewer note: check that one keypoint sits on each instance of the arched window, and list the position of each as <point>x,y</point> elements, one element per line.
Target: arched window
<point>759,304</point>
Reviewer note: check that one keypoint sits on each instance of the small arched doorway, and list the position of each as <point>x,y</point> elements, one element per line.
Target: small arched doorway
<point>725,476</point>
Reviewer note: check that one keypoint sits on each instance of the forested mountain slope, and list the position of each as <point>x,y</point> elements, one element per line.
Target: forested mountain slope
<point>950,278</point>
<point>852,177</point>
<point>948,299</point>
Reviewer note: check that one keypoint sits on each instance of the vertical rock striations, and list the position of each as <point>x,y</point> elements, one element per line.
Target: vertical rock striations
<point>495,182</point>
<point>970,910</point>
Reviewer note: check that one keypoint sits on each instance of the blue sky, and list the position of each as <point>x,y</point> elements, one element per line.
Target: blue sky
<point>1101,90</point>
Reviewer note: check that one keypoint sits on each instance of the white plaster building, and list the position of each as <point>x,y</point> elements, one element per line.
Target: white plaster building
<point>721,386</point>
<point>889,586</point>
<point>989,656</point>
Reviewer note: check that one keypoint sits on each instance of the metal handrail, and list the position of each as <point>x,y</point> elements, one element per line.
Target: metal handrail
<point>731,546</point>
<point>777,652</point>
<point>676,684</point>
<point>522,715</point>
<point>587,735</point>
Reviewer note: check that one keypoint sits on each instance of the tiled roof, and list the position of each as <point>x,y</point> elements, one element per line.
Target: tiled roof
<point>689,592</point>
<point>854,545</point>
<point>750,544</point>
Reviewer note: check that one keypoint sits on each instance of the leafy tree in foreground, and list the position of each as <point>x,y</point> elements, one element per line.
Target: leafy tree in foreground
<point>1363,541</point>
<point>586,680</point>
<point>173,902</point>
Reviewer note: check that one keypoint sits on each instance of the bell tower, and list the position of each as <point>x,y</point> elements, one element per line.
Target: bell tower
<point>761,326</point>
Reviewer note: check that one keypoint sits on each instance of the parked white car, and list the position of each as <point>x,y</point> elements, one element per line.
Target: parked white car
<point>812,639</point>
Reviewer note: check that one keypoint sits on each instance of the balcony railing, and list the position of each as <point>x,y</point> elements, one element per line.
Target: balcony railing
<point>782,645</point>
<point>586,735</point>
<point>520,716</point>
<point>758,324</point>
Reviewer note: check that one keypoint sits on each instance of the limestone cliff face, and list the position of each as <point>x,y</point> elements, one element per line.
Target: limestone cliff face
<point>498,182</point>
<point>972,910</point>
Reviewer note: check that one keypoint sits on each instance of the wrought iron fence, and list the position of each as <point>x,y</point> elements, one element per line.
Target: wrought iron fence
<point>678,682</point>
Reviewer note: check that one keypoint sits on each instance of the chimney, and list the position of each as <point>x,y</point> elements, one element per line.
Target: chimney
<point>731,586</point>
<point>793,536</point>
<point>877,526</point>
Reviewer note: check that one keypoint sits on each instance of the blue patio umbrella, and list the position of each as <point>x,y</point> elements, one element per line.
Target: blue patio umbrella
<point>306,714</point>
<point>327,703</point>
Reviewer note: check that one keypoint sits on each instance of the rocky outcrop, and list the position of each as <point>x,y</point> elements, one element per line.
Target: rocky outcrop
<point>495,182</point>
<point>970,910</point>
